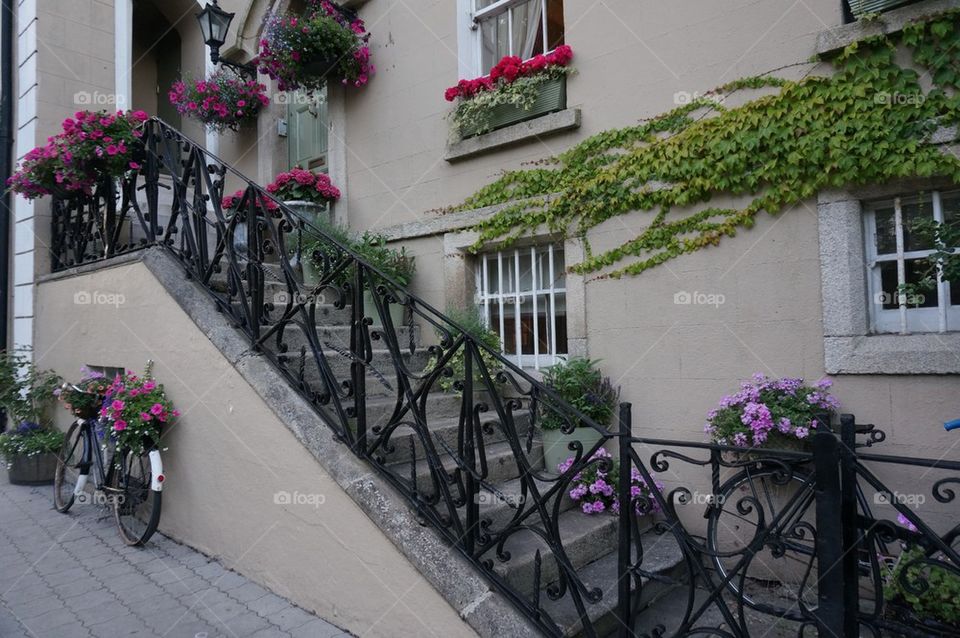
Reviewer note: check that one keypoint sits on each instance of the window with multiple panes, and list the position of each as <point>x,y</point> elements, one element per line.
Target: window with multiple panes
<point>523,28</point>
<point>896,255</point>
<point>522,297</point>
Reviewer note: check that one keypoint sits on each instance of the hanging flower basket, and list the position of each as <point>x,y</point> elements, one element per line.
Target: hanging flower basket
<point>222,101</point>
<point>305,52</point>
<point>92,147</point>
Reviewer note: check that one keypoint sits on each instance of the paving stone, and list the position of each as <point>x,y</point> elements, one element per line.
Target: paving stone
<point>68,576</point>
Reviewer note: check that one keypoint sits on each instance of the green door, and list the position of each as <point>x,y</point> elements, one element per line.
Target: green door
<point>307,130</point>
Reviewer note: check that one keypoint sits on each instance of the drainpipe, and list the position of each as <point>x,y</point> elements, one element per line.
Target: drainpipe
<point>6,168</point>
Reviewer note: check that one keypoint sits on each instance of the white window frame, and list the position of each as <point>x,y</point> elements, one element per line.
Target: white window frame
<point>470,45</point>
<point>485,300</point>
<point>904,319</point>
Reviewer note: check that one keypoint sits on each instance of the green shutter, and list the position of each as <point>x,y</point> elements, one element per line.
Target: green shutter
<point>307,130</point>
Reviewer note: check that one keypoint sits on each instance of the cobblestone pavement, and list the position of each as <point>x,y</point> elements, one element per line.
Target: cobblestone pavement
<point>70,576</point>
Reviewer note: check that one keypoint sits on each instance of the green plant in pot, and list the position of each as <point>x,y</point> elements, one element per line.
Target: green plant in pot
<point>396,264</point>
<point>30,446</point>
<point>470,320</point>
<point>580,383</point>
<point>319,253</point>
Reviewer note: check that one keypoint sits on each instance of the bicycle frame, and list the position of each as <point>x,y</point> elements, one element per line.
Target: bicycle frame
<point>92,456</point>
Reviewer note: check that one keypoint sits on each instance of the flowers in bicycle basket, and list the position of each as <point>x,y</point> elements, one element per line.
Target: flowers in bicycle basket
<point>595,486</point>
<point>84,398</point>
<point>236,200</point>
<point>138,410</point>
<point>304,186</point>
<point>771,413</point>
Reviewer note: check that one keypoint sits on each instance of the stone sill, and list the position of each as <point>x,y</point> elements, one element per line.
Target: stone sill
<point>921,353</point>
<point>833,41</point>
<point>549,124</point>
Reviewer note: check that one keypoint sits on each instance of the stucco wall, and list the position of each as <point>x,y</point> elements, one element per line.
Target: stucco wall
<point>229,455</point>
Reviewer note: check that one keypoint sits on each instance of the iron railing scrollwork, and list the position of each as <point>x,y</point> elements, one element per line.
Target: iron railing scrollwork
<point>799,518</point>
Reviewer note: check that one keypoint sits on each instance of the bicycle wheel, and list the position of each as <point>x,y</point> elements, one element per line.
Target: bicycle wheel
<point>68,468</point>
<point>136,506</point>
<point>766,502</point>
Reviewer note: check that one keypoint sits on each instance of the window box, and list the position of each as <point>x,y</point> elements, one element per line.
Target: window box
<point>552,98</point>
<point>860,8</point>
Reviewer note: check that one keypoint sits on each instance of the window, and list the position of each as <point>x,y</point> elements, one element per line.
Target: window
<point>523,28</point>
<point>895,256</point>
<point>522,297</point>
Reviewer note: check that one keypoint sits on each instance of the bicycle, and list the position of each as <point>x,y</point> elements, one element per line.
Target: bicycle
<point>131,483</point>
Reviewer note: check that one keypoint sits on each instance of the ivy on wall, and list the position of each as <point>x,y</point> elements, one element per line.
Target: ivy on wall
<point>868,122</point>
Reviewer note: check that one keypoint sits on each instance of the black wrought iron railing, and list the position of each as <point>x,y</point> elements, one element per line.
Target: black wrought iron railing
<point>789,537</point>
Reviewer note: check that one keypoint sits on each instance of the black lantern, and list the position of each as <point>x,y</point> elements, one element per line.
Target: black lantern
<point>214,25</point>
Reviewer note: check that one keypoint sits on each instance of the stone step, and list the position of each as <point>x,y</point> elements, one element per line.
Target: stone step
<point>380,377</point>
<point>586,537</point>
<point>337,338</point>
<point>662,558</point>
<point>501,464</point>
<point>500,508</point>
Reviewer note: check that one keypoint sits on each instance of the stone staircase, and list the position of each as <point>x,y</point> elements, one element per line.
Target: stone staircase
<point>589,541</point>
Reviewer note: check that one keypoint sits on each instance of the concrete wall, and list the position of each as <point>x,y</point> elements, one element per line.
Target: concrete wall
<point>229,455</point>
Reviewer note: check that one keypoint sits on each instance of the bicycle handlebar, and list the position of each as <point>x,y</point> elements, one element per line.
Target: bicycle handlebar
<point>952,425</point>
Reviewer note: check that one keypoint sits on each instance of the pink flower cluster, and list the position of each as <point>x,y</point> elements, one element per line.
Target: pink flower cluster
<point>138,409</point>
<point>302,185</point>
<point>507,70</point>
<point>92,145</point>
<point>765,406</point>
<point>595,487</point>
<point>229,202</point>
<point>221,101</point>
<point>292,43</point>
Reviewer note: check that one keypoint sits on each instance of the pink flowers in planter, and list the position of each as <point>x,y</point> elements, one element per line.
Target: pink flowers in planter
<point>302,185</point>
<point>304,52</point>
<point>92,145</point>
<point>508,70</point>
<point>221,101</point>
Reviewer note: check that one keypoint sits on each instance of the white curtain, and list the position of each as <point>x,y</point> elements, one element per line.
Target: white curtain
<point>527,24</point>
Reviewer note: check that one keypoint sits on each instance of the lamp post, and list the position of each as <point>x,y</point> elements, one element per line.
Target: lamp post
<point>214,25</point>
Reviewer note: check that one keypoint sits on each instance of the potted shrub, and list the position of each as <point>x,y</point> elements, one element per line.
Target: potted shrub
<point>396,264</point>
<point>92,146</point>
<point>222,101</point>
<point>514,91</point>
<point>470,320</point>
<point>580,383</point>
<point>318,251</point>
<point>771,413</point>
<point>29,448</point>
<point>305,52</point>
<point>595,486</point>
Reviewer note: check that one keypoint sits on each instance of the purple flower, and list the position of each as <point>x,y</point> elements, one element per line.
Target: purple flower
<point>740,439</point>
<point>903,520</point>
<point>801,432</point>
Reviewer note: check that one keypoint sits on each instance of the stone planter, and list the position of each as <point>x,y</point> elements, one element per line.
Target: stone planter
<point>552,97</point>
<point>555,445</point>
<point>32,470</point>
